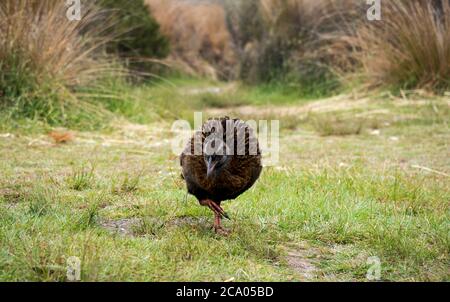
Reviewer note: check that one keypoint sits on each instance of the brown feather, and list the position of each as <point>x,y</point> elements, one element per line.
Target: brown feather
<point>236,178</point>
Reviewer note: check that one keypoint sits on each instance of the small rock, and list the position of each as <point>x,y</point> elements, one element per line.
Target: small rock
<point>376,132</point>
<point>281,168</point>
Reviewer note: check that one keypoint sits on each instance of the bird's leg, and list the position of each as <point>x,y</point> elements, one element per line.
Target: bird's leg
<point>216,208</point>
<point>217,227</point>
<point>217,220</point>
<point>218,214</point>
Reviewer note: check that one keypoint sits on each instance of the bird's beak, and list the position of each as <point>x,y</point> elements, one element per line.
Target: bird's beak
<point>210,169</point>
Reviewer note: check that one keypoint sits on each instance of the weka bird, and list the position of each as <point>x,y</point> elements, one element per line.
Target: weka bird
<point>221,162</point>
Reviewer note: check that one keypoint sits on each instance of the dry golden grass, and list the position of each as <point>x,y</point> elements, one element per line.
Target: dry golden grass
<point>409,48</point>
<point>45,58</point>
<point>200,41</point>
<point>45,42</point>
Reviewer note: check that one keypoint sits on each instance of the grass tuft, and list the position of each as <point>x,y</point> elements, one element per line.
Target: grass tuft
<point>89,217</point>
<point>127,184</point>
<point>40,200</point>
<point>81,179</point>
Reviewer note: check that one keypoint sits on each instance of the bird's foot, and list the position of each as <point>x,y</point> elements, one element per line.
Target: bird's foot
<point>221,231</point>
<point>218,227</point>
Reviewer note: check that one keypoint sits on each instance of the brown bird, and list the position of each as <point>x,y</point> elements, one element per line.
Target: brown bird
<point>221,162</point>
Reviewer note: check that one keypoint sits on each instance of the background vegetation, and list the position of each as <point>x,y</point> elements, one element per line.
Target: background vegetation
<point>310,48</point>
<point>137,34</point>
<point>86,168</point>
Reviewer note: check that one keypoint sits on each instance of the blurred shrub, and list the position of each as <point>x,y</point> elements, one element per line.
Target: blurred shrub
<point>137,34</point>
<point>200,40</point>
<point>295,41</point>
<point>298,42</point>
<point>314,44</point>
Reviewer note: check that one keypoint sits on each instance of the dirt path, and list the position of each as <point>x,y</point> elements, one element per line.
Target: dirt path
<point>338,103</point>
<point>342,102</point>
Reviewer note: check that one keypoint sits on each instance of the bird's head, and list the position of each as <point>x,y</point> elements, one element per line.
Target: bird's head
<point>215,164</point>
<point>215,154</point>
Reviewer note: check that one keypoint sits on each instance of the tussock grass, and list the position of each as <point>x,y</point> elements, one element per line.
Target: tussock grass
<point>409,48</point>
<point>44,58</point>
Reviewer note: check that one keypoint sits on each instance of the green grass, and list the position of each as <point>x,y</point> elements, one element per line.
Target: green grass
<point>330,124</point>
<point>150,103</point>
<point>342,198</point>
<point>278,94</point>
<point>81,179</point>
<point>112,100</point>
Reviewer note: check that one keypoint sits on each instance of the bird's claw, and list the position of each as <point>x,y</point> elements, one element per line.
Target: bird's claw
<point>221,231</point>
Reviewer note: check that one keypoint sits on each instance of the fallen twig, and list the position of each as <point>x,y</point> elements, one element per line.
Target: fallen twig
<point>430,170</point>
